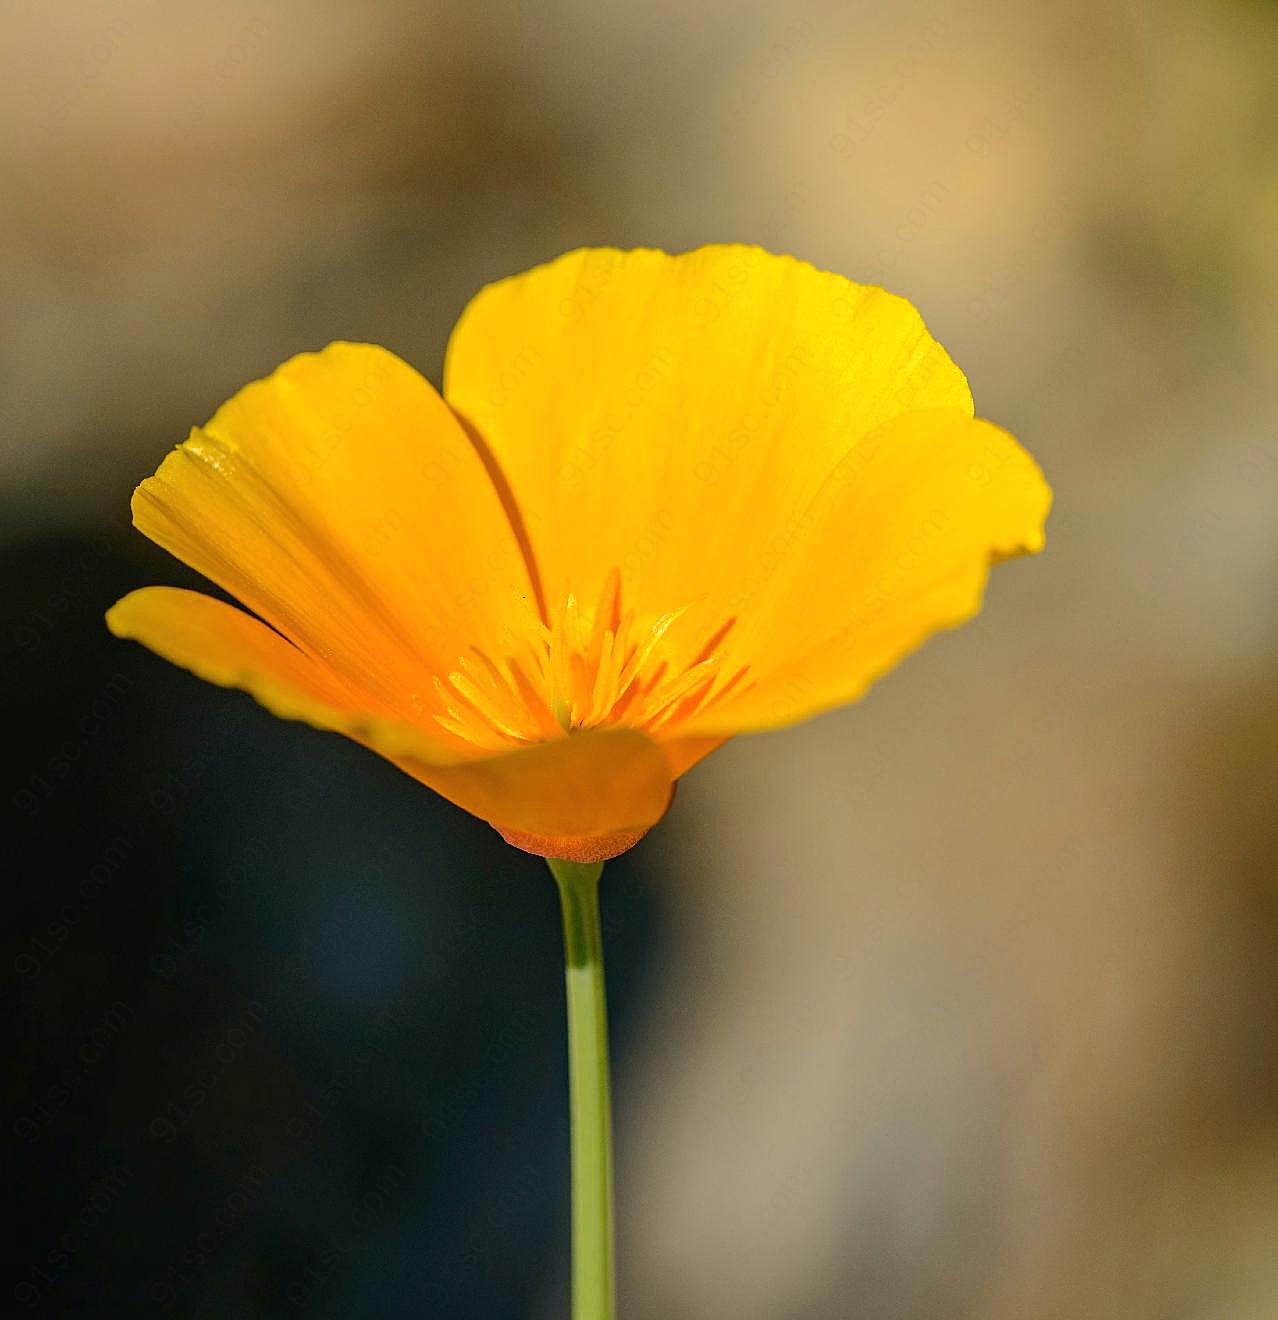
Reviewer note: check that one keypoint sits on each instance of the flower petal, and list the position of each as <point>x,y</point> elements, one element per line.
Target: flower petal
<point>589,785</point>
<point>897,545</point>
<point>586,796</point>
<point>341,501</point>
<point>667,415</point>
<point>223,645</point>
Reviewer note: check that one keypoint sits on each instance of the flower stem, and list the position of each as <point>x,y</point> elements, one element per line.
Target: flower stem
<point>590,1103</point>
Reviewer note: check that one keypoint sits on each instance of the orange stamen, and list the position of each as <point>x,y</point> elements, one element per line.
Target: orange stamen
<point>585,668</point>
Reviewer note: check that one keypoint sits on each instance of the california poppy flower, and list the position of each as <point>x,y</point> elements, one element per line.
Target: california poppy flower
<point>662,500</point>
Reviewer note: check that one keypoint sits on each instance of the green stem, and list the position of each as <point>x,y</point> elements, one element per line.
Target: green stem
<point>593,1293</point>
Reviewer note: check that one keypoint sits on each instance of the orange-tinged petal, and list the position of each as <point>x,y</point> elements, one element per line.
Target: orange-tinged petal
<point>683,753</point>
<point>584,797</point>
<point>341,501</point>
<point>223,645</point>
<point>588,787</point>
<point>667,416</point>
<point>896,545</point>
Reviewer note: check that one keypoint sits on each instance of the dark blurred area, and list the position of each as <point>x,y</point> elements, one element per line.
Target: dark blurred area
<point>290,1032</point>
<point>961,1002</point>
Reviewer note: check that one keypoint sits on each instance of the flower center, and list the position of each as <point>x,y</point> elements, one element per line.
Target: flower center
<point>589,668</point>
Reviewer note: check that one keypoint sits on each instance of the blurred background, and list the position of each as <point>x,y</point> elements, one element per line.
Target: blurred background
<point>961,1002</point>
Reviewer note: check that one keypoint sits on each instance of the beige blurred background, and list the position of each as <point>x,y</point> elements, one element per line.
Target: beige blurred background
<point>973,1006</point>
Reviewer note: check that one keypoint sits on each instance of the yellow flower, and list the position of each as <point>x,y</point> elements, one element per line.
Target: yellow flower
<point>662,500</point>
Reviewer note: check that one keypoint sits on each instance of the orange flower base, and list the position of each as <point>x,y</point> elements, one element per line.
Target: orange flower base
<point>570,848</point>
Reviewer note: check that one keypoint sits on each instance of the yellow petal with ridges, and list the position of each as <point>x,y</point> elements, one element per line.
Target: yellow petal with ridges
<point>668,415</point>
<point>342,502</point>
<point>896,545</point>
